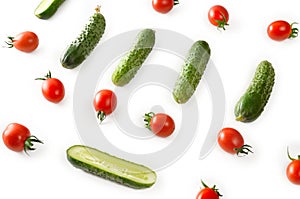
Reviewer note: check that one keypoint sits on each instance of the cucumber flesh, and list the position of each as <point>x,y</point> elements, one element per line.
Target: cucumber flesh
<point>47,8</point>
<point>110,167</point>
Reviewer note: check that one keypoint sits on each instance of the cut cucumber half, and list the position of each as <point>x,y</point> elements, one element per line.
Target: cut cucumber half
<point>110,167</point>
<point>47,8</point>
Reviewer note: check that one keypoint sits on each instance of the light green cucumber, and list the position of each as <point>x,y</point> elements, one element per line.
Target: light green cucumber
<point>47,8</point>
<point>192,71</point>
<point>252,103</point>
<point>110,167</point>
<point>133,60</point>
<point>85,43</point>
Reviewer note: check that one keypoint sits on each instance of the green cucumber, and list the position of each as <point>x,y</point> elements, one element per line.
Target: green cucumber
<point>192,71</point>
<point>47,8</point>
<point>133,60</point>
<point>250,106</point>
<point>110,167</point>
<point>85,43</point>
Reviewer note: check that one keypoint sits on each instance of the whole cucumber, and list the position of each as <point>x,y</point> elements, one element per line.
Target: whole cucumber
<point>134,59</point>
<point>85,43</point>
<point>252,103</point>
<point>192,71</point>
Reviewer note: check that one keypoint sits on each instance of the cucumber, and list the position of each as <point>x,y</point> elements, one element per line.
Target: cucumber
<point>192,71</point>
<point>47,8</point>
<point>133,60</point>
<point>85,43</point>
<point>110,167</point>
<point>252,103</point>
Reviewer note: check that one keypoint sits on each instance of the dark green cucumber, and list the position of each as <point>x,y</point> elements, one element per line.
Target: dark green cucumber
<point>110,167</point>
<point>85,43</point>
<point>192,71</point>
<point>133,60</point>
<point>47,8</point>
<point>252,103</point>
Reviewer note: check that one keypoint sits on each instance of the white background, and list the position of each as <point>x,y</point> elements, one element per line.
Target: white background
<point>235,52</point>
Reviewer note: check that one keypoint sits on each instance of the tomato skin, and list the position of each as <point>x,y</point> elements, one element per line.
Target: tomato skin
<point>160,124</point>
<point>25,41</point>
<point>279,30</point>
<point>163,6</point>
<point>105,102</point>
<point>293,172</point>
<point>218,16</point>
<point>230,139</point>
<point>207,193</point>
<point>53,90</point>
<point>14,136</point>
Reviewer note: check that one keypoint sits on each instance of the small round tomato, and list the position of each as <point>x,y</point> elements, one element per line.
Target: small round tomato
<point>25,41</point>
<point>281,30</point>
<point>208,193</point>
<point>160,124</point>
<point>105,102</point>
<point>18,138</point>
<point>164,6</point>
<point>52,88</point>
<point>231,141</point>
<point>218,16</point>
<point>293,170</point>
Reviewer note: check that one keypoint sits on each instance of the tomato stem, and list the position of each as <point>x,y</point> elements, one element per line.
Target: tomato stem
<point>101,116</point>
<point>222,23</point>
<point>294,32</point>
<point>288,153</point>
<point>29,142</point>
<point>176,2</point>
<point>245,149</point>
<point>147,119</point>
<point>213,188</point>
<point>47,76</point>
<point>9,43</point>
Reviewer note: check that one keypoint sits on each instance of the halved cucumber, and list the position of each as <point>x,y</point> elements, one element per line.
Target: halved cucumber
<point>47,8</point>
<point>110,167</point>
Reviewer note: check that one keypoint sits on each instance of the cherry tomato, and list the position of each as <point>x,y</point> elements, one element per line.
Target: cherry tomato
<point>164,6</point>
<point>52,88</point>
<point>218,16</point>
<point>293,170</point>
<point>105,102</point>
<point>231,141</point>
<point>160,124</point>
<point>208,193</point>
<point>25,41</point>
<point>18,138</point>
<point>281,30</point>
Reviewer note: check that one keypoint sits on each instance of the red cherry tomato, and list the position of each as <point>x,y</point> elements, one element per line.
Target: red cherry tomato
<point>164,6</point>
<point>105,102</point>
<point>218,16</point>
<point>160,124</point>
<point>208,193</point>
<point>53,89</point>
<point>17,138</point>
<point>25,41</point>
<point>281,30</point>
<point>293,170</point>
<point>231,141</point>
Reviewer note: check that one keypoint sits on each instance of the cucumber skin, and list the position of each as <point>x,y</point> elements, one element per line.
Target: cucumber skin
<point>50,11</point>
<point>104,174</point>
<point>250,106</point>
<point>134,59</point>
<point>85,43</point>
<point>192,71</point>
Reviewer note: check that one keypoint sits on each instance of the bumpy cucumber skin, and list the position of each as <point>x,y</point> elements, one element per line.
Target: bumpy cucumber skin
<point>192,71</point>
<point>50,11</point>
<point>133,60</point>
<point>250,106</point>
<point>81,48</point>
<point>105,174</point>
